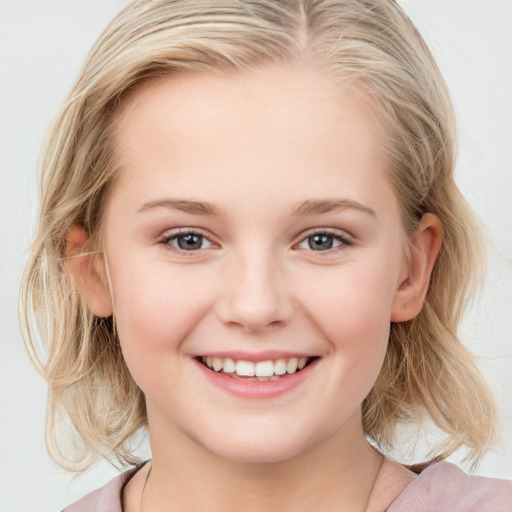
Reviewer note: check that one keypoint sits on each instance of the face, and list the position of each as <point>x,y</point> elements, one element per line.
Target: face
<point>253,228</point>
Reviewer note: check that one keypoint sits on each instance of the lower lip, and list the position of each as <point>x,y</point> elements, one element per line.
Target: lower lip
<point>254,389</point>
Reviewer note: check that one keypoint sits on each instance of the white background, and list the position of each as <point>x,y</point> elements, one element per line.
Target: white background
<point>42,45</point>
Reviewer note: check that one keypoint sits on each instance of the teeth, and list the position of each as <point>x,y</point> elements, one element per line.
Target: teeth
<point>260,371</point>
<point>291,365</point>
<point>280,367</point>
<point>229,366</point>
<point>244,368</point>
<point>264,369</point>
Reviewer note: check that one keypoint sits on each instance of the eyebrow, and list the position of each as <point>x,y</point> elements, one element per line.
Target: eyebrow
<point>183,205</point>
<point>316,207</point>
<point>308,207</point>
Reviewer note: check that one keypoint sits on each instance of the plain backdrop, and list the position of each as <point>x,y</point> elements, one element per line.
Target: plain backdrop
<point>42,45</point>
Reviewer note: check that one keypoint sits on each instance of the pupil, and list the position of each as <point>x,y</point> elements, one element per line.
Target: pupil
<point>320,242</point>
<point>190,242</point>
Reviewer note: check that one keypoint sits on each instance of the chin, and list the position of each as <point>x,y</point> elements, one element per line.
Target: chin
<point>267,447</point>
<point>254,454</point>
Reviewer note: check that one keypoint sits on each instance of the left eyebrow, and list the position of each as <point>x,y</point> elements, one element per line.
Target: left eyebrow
<point>183,205</point>
<point>315,207</point>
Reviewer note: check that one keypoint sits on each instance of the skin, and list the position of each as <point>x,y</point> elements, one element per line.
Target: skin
<point>255,146</point>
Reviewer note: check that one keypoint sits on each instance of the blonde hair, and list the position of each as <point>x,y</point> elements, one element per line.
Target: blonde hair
<point>95,407</point>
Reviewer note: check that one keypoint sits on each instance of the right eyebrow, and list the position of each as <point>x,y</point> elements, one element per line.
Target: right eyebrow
<point>182,205</point>
<point>321,206</point>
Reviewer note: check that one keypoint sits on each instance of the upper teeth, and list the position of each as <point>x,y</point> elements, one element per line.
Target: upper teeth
<point>259,369</point>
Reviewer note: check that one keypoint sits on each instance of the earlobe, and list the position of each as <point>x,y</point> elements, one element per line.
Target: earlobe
<point>424,246</point>
<point>88,272</point>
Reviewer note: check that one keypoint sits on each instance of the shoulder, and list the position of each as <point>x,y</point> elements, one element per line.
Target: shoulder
<point>106,498</point>
<point>443,486</point>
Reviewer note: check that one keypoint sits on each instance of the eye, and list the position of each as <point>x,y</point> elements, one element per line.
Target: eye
<point>322,241</point>
<point>187,241</point>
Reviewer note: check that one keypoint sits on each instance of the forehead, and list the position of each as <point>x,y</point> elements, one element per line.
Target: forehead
<point>280,125</point>
<point>275,93</point>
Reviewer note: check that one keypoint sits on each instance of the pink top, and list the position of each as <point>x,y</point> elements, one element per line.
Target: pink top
<point>442,487</point>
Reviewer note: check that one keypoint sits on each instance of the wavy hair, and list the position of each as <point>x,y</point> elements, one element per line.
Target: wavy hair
<point>94,405</point>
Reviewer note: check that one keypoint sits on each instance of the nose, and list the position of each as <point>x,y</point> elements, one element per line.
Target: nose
<point>255,295</point>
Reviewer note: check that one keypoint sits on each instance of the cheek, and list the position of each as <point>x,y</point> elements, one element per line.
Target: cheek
<point>155,307</point>
<point>352,306</point>
<point>352,311</point>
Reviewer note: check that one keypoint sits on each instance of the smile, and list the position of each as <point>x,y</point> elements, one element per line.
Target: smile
<point>257,376</point>
<point>261,371</point>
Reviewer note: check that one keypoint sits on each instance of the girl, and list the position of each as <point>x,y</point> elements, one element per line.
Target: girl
<point>251,242</point>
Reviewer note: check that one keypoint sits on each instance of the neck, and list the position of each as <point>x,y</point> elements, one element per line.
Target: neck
<point>337,474</point>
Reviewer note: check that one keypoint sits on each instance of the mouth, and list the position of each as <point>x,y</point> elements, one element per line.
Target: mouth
<point>261,371</point>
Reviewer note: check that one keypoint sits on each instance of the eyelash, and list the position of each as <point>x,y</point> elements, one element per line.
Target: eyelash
<point>166,240</point>
<point>344,240</point>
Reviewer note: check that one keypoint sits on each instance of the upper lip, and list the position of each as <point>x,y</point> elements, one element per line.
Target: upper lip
<point>268,355</point>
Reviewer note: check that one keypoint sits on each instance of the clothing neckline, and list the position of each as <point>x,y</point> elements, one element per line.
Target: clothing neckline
<point>420,469</point>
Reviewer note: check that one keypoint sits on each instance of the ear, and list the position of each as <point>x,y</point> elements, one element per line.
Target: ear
<point>424,246</point>
<point>88,272</point>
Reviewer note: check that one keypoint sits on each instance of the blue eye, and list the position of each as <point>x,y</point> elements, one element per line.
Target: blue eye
<point>187,241</point>
<point>323,241</point>
<point>193,241</point>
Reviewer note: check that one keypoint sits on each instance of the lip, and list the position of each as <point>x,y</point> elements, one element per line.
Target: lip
<point>268,355</point>
<point>254,389</point>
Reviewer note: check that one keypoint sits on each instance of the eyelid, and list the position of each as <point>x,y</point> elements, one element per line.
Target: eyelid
<point>175,233</point>
<point>346,239</point>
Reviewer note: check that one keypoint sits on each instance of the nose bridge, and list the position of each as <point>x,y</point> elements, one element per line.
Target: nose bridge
<point>255,294</point>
